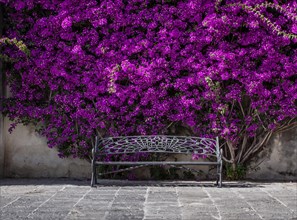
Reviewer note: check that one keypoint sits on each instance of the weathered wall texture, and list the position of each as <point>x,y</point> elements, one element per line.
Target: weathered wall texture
<point>279,160</point>
<point>1,117</point>
<point>27,155</point>
<point>1,140</point>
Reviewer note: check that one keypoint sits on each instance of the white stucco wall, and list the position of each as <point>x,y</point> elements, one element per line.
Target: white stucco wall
<point>27,155</point>
<point>279,160</point>
<point>1,147</point>
<point>1,95</point>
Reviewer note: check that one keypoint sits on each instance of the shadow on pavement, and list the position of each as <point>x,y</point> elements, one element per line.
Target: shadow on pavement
<point>123,183</point>
<point>210,184</point>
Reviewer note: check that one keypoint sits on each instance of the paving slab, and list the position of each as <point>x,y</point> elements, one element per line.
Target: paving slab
<point>146,200</point>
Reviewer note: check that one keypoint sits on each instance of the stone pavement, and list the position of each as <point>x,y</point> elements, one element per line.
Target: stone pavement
<point>73,199</point>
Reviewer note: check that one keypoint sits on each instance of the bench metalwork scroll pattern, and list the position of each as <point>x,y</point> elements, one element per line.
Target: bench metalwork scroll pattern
<point>157,144</point>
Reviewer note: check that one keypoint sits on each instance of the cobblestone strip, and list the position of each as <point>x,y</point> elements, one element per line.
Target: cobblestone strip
<point>110,204</point>
<point>8,204</point>
<point>213,203</point>
<point>78,201</point>
<point>32,213</point>
<point>177,196</point>
<point>162,203</point>
<point>288,194</point>
<point>283,203</point>
<point>264,205</point>
<point>232,205</point>
<point>30,198</point>
<point>195,204</point>
<point>271,196</point>
<point>128,204</point>
<point>248,203</point>
<point>13,193</point>
<point>145,211</point>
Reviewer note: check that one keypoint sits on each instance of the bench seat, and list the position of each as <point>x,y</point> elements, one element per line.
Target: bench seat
<point>155,144</point>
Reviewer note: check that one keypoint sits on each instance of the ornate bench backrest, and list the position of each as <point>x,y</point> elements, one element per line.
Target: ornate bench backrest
<point>158,144</point>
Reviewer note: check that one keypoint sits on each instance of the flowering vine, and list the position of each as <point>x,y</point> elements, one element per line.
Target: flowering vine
<point>192,67</point>
<point>18,43</point>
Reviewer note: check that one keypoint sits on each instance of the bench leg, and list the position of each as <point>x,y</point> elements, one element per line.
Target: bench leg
<point>217,181</point>
<point>220,181</point>
<point>220,174</point>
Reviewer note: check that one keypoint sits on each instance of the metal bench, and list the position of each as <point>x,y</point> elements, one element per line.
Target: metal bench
<point>159,144</point>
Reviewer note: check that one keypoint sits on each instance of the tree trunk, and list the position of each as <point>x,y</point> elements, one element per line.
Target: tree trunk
<point>232,154</point>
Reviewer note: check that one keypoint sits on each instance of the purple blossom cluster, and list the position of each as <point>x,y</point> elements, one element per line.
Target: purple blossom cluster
<point>123,67</point>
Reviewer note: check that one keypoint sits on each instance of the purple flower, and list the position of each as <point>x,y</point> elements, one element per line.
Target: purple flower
<point>155,67</point>
<point>67,22</point>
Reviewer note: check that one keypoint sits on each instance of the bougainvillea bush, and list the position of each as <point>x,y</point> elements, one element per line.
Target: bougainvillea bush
<point>126,67</point>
